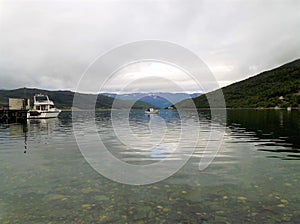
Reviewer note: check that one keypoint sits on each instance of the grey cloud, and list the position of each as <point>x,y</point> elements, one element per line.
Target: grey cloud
<point>48,44</point>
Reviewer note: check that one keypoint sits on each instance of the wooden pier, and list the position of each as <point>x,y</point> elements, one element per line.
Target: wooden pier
<point>13,116</point>
<point>16,111</point>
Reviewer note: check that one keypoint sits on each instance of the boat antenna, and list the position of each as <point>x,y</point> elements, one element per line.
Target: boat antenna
<point>24,93</point>
<point>24,98</point>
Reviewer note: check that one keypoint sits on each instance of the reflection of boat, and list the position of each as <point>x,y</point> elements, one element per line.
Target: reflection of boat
<point>151,111</point>
<point>43,108</point>
<point>42,126</point>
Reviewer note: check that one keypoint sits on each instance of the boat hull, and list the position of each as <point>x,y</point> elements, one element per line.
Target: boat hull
<point>42,115</point>
<point>151,112</point>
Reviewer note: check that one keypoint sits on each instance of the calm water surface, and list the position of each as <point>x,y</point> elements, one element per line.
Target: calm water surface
<point>255,177</point>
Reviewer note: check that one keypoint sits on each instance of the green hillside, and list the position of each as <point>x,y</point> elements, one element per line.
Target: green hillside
<point>64,99</point>
<point>277,87</point>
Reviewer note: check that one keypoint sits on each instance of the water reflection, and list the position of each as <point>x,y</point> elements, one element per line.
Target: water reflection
<point>147,138</point>
<point>28,132</point>
<point>246,183</point>
<point>271,131</point>
<point>42,126</point>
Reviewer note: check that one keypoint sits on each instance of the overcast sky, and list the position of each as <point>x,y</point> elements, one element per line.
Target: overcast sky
<point>49,44</point>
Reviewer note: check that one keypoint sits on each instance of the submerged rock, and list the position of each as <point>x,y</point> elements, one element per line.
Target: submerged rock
<point>101,198</point>
<point>281,205</point>
<point>103,218</point>
<point>242,199</point>
<point>86,206</point>
<point>87,190</point>
<point>53,197</point>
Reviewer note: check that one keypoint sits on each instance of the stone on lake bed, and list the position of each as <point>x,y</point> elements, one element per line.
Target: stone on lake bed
<point>281,205</point>
<point>267,207</point>
<point>166,210</point>
<point>241,198</point>
<point>101,198</point>
<point>86,190</point>
<point>141,214</point>
<point>221,219</point>
<point>193,195</point>
<point>103,218</point>
<point>54,197</point>
<point>86,206</point>
<point>286,218</point>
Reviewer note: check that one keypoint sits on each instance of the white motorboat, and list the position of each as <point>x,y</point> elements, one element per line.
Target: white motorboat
<point>151,111</point>
<point>42,108</point>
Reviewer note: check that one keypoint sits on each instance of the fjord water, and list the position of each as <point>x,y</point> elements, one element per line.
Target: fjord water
<point>254,178</point>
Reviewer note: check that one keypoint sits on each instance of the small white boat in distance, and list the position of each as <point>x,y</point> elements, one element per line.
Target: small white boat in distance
<point>42,108</point>
<point>151,111</point>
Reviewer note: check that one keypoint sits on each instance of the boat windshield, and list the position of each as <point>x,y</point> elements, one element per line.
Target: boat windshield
<point>41,98</point>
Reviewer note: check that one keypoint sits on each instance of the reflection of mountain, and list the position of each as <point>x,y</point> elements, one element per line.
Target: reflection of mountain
<point>161,100</point>
<point>277,131</point>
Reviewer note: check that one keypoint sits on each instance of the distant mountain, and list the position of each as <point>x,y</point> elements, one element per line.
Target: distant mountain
<point>279,87</point>
<point>160,100</point>
<point>64,99</point>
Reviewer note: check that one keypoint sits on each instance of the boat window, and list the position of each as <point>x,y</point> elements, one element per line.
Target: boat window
<point>41,98</point>
<point>38,107</point>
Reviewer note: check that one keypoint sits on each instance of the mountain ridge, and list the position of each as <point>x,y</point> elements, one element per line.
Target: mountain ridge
<point>64,98</point>
<point>278,87</point>
<point>157,99</point>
